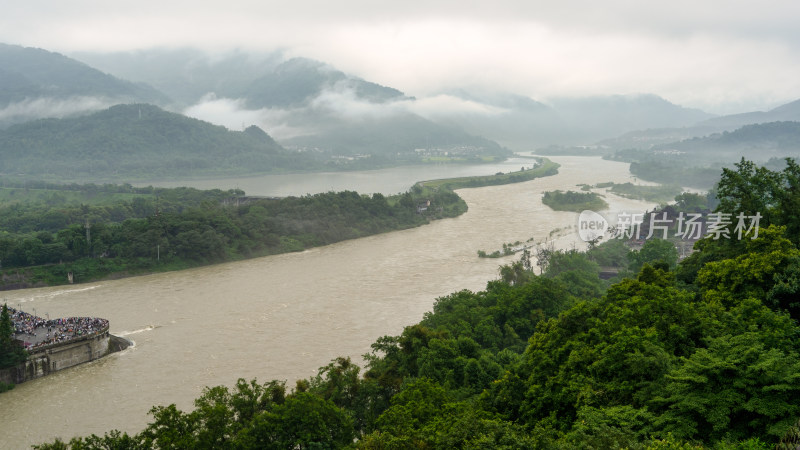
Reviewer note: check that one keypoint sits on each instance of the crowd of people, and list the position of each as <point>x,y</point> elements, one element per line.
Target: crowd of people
<point>55,330</point>
<point>25,323</point>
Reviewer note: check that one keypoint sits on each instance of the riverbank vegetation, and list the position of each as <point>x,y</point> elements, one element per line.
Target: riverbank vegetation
<point>704,354</point>
<point>54,234</point>
<point>574,201</point>
<point>674,169</point>
<point>122,230</point>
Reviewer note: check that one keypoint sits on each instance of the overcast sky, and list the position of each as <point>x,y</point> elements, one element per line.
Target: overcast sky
<point>721,55</point>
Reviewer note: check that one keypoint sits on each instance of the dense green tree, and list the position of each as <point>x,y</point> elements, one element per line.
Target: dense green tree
<point>765,272</point>
<point>577,271</point>
<point>736,388</point>
<point>303,421</point>
<point>11,352</point>
<point>653,251</point>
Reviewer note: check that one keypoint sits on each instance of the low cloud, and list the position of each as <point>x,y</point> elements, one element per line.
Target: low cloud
<point>48,107</point>
<point>344,103</point>
<point>332,106</point>
<point>232,114</point>
<point>448,105</point>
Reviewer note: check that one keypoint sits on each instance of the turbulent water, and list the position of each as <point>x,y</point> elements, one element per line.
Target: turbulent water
<point>278,317</point>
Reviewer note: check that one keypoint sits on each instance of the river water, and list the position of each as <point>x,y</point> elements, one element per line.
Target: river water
<point>386,181</point>
<point>277,317</point>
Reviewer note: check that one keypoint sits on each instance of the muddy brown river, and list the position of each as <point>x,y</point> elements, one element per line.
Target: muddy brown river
<point>277,317</point>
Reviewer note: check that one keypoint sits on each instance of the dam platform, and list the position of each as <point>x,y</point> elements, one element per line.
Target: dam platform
<point>57,344</point>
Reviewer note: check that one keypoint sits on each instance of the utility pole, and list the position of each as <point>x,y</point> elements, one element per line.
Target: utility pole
<point>88,238</point>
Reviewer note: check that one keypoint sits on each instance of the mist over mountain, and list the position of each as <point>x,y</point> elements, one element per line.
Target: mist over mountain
<point>319,114</point>
<point>187,75</point>
<point>299,98</point>
<point>523,123</point>
<point>649,138</point>
<point>308,105</point>
<point>616,114</point>
<point>298,81</point>
<point>36,83</point>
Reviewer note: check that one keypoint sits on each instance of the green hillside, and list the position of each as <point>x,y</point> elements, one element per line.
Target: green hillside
<point>136,141</point>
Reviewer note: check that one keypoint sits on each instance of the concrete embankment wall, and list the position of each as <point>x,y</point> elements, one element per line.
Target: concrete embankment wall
<point>54,357</point>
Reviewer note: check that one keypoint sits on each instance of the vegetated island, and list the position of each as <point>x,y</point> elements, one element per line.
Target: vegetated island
<point>544,167</point>
<point>56,234</point>
<point>574,201</point>
<point>701,354</point>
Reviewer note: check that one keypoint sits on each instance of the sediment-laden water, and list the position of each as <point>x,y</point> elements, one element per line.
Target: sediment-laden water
<point>278,317</point>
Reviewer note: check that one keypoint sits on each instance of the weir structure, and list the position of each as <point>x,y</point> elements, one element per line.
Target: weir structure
<point>46,359</point>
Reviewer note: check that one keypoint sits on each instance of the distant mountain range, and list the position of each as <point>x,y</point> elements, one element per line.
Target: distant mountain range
<point>297,88</point>
<point>760,141</point>
<point>306,95</point>
<point>787,112</point>
<point>659,137</point>
<point>309,107</point>
<point>524,124</point>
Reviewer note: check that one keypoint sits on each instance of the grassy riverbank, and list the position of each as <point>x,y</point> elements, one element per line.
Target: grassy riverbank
<point>51,233</point>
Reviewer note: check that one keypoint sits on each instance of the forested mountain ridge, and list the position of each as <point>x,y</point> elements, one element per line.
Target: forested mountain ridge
<point>135,141</point>
<point>31,74</point>
<point>695,161</point>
